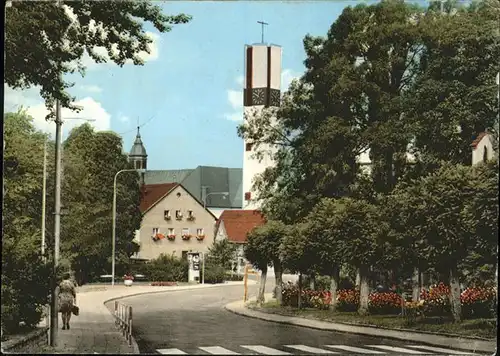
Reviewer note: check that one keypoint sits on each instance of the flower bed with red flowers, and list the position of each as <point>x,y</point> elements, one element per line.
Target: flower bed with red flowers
<point>348,300</point>
<point>309,298</point>
<point>437,300</point>
<point>321,300</point>
<point>384,303</point>
<point>478,302</point>
<point>163,284</point>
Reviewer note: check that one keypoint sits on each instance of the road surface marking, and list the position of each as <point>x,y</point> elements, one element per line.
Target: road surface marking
<point>359,350</point>
<point>313,350</point>
<point>440,349</point>
<point>217,350</point>
<point>171,352</point>
<point>398,349</point>
<point>265,350</point>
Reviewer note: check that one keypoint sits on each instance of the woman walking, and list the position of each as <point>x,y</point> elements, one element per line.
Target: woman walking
<point>67,296</point>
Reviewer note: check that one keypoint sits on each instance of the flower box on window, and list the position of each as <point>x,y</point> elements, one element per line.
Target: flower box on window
<point>157,237</point>
<point>171,237</point>
<point>200,237</point>
<point>186,236</point>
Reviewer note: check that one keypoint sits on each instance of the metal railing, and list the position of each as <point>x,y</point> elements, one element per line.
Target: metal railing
<point>123,320</point>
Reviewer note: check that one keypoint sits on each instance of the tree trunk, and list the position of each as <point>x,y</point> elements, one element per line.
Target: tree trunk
<point>334,285</point>
<point>299,298</point>
<point>262,286</point>
<point>415,280</point>
<point>456,307</point>
<point>358,279</point>
<point>278,280</point>
<point>364,291</point>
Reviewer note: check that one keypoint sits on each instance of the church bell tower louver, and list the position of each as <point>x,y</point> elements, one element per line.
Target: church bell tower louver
<point>262,89</point>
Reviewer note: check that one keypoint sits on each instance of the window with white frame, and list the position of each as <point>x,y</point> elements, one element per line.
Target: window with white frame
<point>171,231</point>
<point>166,213</point>
<point>178,214</point>
<point>199,232</point>
<point>185,231</point>
<point>156,231</point>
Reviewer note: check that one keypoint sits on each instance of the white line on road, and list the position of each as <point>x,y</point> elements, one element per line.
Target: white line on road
<point>440,349</point>
<point>359,350</point>
<point>171,352</point>
<point>313,350</point>
<point>217,350</point>
<point>398,349</point>
<point>265,350</point>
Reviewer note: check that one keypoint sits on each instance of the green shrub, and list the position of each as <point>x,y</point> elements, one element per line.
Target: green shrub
<point>214,273</point>
<point>25,290</point>
<point>233,277</point>
<point>165,268</point>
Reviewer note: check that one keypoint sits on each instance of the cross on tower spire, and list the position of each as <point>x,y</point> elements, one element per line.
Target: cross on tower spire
<point>263,24</point>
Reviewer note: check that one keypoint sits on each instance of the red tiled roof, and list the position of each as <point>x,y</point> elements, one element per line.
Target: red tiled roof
<point>238,223</point>
<point>477,140</point>
<point>151,193</point>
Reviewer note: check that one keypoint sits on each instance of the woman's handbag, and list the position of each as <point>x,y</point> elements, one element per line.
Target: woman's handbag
<point>75,310</point>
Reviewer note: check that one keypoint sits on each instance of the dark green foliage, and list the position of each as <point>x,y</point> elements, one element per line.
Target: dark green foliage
<point>214,273</point>
<point>91,162</point>
<point>40,33</point>
<point>25,277</point>
<point>222,253</point>
<point>165,268</point>
<point>262,248</point>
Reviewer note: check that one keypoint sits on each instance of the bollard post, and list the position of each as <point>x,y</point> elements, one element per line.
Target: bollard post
<point>116,313</point>
<point>130,326</point>
<point>125,327</point>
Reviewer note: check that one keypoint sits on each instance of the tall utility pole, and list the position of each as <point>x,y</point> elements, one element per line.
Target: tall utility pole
<point>44,193</point>
<point>57,230</point>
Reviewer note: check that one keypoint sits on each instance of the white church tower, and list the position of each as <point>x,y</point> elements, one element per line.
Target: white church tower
<point>262,89</point>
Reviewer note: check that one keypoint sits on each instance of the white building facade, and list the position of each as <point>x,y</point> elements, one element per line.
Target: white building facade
<point>262,89</point>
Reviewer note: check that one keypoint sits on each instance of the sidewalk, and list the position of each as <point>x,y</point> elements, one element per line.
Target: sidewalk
<point>425,338</point>
<point>94,330</point>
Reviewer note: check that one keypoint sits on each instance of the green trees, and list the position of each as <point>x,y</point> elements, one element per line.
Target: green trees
<point>222,253</point>
<point>52,39</point>
<point>91,160</point>
<point>25,275</point>
<point>415,87</point>
<point>262,249</point>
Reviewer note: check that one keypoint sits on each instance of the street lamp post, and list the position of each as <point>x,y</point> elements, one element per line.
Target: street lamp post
<point>114,222</point>
<point>206,196</point>
<point>53,328</point>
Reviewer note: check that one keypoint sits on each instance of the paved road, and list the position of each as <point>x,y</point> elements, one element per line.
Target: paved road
<point>196,323</point>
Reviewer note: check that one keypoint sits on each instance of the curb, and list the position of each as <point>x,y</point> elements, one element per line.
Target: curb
<point>135,346</point>
<point>462,343</point>
<point>168,291</point>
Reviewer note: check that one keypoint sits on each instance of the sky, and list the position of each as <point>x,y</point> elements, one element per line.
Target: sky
<point>188,95</point>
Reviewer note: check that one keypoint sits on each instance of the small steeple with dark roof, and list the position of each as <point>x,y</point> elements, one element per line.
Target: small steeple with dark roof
<point>138,155</point>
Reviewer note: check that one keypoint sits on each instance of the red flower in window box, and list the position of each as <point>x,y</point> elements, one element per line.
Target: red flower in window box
<point>200,237</point>
<point>158,237</point>
<point>171,237</point>
<point>186,237</point>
